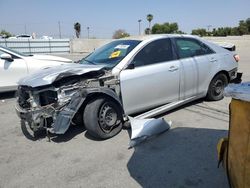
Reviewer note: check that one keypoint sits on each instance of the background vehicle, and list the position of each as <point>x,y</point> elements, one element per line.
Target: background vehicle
<point>15,65</point>
<point>126,77</point>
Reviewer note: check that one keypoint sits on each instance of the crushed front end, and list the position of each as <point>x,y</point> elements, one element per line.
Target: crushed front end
<point>54,106</point>
<point>40,107</point>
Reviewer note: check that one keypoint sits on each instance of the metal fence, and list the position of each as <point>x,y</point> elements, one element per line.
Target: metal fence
<point>35,46</point>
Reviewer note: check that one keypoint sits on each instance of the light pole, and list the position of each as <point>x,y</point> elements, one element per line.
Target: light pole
<point>139,21</point>
<point>88,32</point>
<point>59,29</point>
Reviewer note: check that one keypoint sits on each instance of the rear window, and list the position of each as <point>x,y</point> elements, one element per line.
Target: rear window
<point>191,47</point>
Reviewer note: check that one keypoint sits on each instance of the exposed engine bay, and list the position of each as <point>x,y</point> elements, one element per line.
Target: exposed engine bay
<point>54,106</point>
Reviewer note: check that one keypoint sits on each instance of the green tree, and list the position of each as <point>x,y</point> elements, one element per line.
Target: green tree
<point>248,24</point>
<point>77,27</point>
<point>120,33</point>
<point>235,31</point>
<point>200,32</point>
<point>5,34</point>
<point>149,18</point>
<point>243,29</point>
<point>165,28</point>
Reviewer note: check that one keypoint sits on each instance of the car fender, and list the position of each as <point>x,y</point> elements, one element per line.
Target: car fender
<point>65,116</point>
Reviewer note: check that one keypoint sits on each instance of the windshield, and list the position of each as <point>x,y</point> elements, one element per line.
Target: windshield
<point>14,51</point>
<point>110,54</point>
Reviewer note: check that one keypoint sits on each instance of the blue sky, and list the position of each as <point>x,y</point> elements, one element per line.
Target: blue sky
<point>105,16</point>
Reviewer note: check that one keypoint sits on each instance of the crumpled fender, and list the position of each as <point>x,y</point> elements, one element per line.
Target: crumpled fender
<point>64,117</point>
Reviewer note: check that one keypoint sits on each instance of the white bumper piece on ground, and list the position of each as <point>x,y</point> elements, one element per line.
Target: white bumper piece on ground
<point>143,129</point>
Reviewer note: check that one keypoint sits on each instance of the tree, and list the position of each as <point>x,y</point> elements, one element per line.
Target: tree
<point>120,33</point>
<point>248,24</point>
<point>149,18</point>
<point>243,27</point>
<point>165,28</point>
<point>200,32</point>
<point>77,27</point>
<point>5,34</point>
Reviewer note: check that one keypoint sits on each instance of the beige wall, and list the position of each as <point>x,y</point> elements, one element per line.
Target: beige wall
<point>86,45</point>
<point>89,45</point>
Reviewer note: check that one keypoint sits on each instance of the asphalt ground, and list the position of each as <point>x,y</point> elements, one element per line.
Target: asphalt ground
<point>185,156</point>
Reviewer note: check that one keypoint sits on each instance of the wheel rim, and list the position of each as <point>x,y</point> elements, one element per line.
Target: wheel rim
<point>218,87</point>
<point>108,118</point>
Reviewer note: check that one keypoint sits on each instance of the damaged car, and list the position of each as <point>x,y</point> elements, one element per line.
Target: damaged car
<point>147,75</point>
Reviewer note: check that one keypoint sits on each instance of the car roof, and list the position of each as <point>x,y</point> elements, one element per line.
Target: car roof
<point>158,36</point>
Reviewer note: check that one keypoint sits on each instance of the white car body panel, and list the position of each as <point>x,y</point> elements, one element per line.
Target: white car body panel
<point>21,66</point>
<point>140,93</point>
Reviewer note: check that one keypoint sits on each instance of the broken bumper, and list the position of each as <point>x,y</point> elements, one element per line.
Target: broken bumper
<point>238,79</point>
<point>22,113</point>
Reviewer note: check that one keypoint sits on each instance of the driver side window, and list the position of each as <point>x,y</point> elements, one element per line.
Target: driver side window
<point>155,52</point>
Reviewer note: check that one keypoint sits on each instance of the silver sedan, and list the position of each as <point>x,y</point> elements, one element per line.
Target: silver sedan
<point>151,73</point>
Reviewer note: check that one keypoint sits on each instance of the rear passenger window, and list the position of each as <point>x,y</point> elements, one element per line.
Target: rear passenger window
<point>155,52</point>
<point>191,47</point>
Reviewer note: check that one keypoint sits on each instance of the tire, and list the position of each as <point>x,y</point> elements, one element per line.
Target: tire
<point>102,118</point>
<point>216,87</point>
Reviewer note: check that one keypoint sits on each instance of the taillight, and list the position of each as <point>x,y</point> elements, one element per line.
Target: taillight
<point>237,57</point>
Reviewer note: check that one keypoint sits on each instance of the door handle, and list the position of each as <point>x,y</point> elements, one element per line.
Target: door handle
<point>213,60</point>
<point>173,68</point>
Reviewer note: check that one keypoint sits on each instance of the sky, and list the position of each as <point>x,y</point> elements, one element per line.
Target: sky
<point>103,17</point>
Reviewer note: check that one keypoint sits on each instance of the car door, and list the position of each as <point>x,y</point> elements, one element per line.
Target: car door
<point>154,80</point>
<point>195,58</point>
<point>11,71</point>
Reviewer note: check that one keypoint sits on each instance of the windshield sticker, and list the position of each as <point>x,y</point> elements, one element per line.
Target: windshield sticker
<point>122,46</point>
<point>115,54</point>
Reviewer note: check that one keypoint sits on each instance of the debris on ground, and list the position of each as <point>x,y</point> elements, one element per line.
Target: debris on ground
<point>142,129</point>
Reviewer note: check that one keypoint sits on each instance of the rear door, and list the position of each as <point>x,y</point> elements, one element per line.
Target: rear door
<point>196,59</point>
<point>154,80</point>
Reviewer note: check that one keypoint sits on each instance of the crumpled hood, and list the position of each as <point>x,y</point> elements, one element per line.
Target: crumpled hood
<point>49,75</point>
<point>50,58</point>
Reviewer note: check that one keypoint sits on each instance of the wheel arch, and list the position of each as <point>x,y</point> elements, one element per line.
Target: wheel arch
<point>224,72</point>
<point>100,92</point>
<point>78,102</point>
<point>220,72</point>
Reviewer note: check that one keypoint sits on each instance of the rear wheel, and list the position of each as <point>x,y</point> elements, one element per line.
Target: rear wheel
<point>103,118</point>
<point>216,87</point>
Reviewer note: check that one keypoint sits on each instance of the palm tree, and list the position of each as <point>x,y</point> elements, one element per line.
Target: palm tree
<point>77,27</point>
<point>149,18</point>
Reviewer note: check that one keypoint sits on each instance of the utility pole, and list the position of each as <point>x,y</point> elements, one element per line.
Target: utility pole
<point>88,32</point>
<point>139,21</point>
<point>25,29</point>
<point>59,28</point>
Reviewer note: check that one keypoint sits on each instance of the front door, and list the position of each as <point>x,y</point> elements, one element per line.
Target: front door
<point>155,79</point>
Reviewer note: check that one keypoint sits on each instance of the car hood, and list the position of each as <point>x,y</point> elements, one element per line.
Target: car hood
<point>50,58</point>
<point>52,74</point>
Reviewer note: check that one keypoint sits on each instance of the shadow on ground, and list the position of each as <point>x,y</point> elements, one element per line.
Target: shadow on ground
<point>181,157</point>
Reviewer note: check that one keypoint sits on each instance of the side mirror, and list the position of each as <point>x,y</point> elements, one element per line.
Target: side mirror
<point>131,66</point>
<point>6,57</point>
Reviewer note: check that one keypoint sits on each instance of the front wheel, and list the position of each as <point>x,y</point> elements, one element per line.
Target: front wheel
<point>216,87</point>
<point>103,118</point>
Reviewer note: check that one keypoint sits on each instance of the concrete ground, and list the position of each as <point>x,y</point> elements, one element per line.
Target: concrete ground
<point>185,156</point>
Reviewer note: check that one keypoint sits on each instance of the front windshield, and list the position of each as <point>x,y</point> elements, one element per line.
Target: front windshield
<point>14,51</point>
<point>110,54</point>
